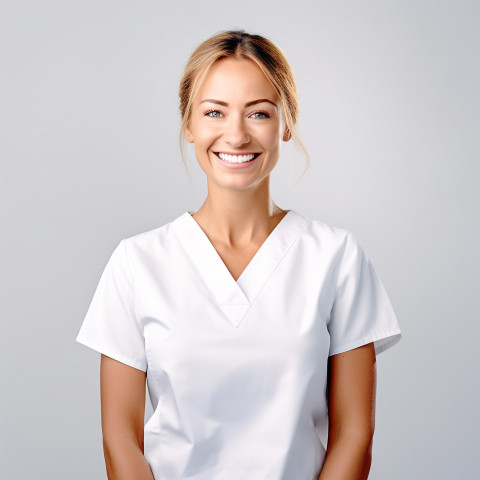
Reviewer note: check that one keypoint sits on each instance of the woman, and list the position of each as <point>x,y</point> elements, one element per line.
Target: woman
<point>255,328</point>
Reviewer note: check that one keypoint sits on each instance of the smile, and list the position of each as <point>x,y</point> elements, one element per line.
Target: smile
<point>237,158</point>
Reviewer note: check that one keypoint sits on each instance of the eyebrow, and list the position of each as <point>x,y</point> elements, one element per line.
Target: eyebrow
<point>248,104</point>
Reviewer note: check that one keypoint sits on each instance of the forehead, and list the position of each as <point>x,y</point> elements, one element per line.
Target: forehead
<point>236,79</point>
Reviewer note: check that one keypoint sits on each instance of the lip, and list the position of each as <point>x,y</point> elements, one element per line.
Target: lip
<point>238,165</point>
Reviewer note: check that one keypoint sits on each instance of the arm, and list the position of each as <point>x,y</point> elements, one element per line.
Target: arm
<point>351,396</point>
<point>122,390</point>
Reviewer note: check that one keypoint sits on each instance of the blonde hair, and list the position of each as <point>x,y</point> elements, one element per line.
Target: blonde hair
<point>239,44</point>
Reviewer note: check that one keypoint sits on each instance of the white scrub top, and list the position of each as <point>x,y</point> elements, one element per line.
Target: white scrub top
<point>237,370</point>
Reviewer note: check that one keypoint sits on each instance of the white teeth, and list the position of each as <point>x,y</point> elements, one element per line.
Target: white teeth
<point>236,158</point>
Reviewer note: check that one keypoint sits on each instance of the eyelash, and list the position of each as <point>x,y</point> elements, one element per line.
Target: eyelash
<point>207,113</point>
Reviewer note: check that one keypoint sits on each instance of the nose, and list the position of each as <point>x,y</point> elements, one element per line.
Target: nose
<point>236,132</point>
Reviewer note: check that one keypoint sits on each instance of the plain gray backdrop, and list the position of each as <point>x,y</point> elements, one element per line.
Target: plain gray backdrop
<point>389,111</point>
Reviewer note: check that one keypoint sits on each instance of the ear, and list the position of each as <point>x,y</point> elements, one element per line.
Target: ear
<point>188,133</point>
<point>287,135</point>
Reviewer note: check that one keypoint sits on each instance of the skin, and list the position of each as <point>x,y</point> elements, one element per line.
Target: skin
<point>237,216</point>
<point>352,390</point>
<point>122,391</point>
<point>238,213</point>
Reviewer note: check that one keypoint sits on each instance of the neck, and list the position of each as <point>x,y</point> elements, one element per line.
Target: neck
<point>237,218</point>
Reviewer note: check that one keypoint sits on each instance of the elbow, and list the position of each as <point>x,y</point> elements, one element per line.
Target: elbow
<point>364,439</point>
<point>361,442</point>
<point>122,456</point>
<point>359,439</point>
<point>113,445</point>
<point>364,446</point>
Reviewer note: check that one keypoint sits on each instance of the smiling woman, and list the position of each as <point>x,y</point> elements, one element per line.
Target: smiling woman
<point>237,134</point>
<point>256,328</point>
<point>260,52</point>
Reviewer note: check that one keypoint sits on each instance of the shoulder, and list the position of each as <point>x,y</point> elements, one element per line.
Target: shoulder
<point>321,228</point>
<point>151,240</point>
<point>325,235</point>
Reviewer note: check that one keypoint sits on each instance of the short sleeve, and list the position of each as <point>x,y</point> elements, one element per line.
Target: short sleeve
<point>110,325</point>
<point>362,312</point>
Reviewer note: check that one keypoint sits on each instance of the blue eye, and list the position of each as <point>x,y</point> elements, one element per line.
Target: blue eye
<point>265,115</point>
<point>216,112</point>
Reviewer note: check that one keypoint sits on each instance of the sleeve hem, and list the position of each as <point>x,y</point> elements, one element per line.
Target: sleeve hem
<point>140,365</point>
<point>382,341</point>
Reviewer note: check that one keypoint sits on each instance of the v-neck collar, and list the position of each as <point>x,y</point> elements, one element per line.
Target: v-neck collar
<point>235,297</point>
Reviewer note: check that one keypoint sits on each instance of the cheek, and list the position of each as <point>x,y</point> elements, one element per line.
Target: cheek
<point>206,134</point>
<point>269,137</point>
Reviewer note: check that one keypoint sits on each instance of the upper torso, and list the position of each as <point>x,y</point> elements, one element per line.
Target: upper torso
<point>236,359</point>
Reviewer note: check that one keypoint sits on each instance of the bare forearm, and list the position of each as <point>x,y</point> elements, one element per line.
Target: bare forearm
<point>348,458</point>
<point>124,460</point>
